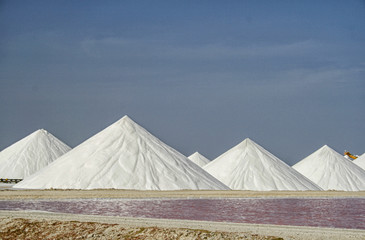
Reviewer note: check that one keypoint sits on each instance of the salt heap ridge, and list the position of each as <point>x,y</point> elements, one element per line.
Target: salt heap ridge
<point>248,166</point>
<point>199,159</point>
<point>122,156</point>
<point>30,154</point>
<point>332,171</point>
<point>360,161</point>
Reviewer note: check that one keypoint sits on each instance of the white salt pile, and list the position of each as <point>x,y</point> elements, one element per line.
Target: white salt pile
<point>199,159</point>
<point>122,156</point>
<point>360,161</point>
<point>331,171</point>
<point>248,166</point>
<point>30,154</point>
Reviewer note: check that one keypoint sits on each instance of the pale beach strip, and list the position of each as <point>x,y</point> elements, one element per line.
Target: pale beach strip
<point>7,194</point>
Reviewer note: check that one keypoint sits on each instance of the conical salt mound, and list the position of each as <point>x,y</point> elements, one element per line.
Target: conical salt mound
<point>122,156</point>
<point>199,159</point>
<point>248,166</point>
<point>360,161</point>
<point>30,154</point>
<point>331,171</point>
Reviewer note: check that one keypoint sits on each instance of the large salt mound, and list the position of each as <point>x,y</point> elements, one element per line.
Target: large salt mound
<point>122,156</point>
<point>248,166</point>
<point>30,154</point>
<point>199,159</point>
<point>331,171</point>
<point>360,161</point>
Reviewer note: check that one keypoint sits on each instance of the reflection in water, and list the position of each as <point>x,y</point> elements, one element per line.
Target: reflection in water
<point>336,213</point>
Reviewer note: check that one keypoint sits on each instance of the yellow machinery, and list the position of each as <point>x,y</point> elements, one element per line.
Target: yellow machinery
<point>346,153</point>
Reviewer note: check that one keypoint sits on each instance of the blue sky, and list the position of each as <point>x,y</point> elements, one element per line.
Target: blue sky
<point>200,75</point>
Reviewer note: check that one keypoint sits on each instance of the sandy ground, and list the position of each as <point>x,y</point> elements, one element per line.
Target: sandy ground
<point>34,225</point>
<point>41,225</point>
<point>6,193</point>
<point>24,225</point>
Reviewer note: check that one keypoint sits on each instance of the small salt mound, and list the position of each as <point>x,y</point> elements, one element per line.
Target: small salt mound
<point>123,156</point>
<point>248,166</point>
<point>30,154</point>
<point>199,159</point>
<point>331,171</point>
<point>360,161</point>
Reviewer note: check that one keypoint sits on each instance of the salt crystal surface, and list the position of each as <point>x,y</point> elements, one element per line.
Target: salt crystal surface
<point>199,159</point>
<point>123,156</point>
<point>331,171</point>
<point>248,166</point>
<point>30,154</point>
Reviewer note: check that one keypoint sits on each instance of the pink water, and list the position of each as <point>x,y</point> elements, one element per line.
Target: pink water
<point>334,213</point>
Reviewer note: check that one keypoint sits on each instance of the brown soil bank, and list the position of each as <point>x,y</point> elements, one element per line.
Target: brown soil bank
<point>115,193</point>
<point>42,225</point>
<point>18,228</point>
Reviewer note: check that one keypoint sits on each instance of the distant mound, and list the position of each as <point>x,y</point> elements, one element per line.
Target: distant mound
<point>30,154</point>
<point>123,156</point>
<point>248,166</point>
<point>332,171</point>
<point>360,161</point>
<point>199,159</point>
